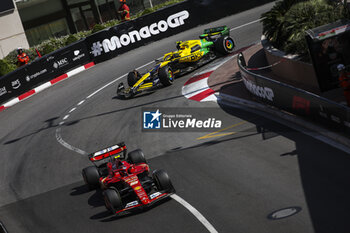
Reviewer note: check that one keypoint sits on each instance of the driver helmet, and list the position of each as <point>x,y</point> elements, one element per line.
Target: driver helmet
<point>19,50</point>
<point>122,1</point>
<point>116,162</point>
<point>178,43</point>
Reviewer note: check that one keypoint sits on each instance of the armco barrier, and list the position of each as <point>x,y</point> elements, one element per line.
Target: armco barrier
<point>297,101</point>
<point>166,22</point>
<point>42,70</point>
<point>122,38</point>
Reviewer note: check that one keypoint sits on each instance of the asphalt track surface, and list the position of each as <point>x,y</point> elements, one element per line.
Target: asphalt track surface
<point>235,181</point>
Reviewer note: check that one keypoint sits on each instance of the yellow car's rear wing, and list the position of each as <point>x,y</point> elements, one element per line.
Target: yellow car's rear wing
<point>223,30</point>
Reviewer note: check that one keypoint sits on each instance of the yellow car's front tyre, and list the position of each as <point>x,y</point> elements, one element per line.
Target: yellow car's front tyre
<point>133,77</point>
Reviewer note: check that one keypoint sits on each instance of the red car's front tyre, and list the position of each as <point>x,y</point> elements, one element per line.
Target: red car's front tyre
<point>162,181</point>
<point>113,201</point>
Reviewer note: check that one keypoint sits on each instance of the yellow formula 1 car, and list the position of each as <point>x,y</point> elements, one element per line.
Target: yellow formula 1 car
<point>190,55</point>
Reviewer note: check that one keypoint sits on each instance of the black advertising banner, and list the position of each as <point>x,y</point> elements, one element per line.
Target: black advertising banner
<point>109,43</point>
<point>66,58</point>
<point>166,22</point>
<point>124,37</point>
<point>6,5</point>
<point>42,70</point>
<point>297,101</point>
<point>11,85</point>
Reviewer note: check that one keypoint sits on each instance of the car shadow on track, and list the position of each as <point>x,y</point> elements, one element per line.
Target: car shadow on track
<point>49,123</point>
<point>134,97</point>
<point>96,200</point>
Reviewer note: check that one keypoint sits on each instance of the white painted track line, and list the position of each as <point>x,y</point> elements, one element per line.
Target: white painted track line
<point>195,212</point>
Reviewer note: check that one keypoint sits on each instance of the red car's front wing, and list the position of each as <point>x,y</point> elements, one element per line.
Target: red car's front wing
<point>138,205</point>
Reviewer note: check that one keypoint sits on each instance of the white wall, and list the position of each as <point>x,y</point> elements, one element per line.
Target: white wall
<point>12,33</point>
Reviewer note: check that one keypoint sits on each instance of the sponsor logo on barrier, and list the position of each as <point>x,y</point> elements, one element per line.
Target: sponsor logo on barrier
<point>322,112</point>
<point>33,76</point>
<point>263,92</point>
<point>50,58</point>
<point>16,84</point>
<point>301,103</point>
<point>78,55</point>
<point>335,119</point>
<point>3,91</point>
<point>60,63</point>
<point>115,42</point>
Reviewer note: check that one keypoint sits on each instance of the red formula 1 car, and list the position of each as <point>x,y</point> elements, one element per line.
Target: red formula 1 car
<point>126,182</point>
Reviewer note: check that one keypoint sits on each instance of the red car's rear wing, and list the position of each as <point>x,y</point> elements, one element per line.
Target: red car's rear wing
<point>118,150</point>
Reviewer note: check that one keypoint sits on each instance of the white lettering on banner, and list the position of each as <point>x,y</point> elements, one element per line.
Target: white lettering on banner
<point>125,40</point>
<point>134,34</point>
<point>162,26</point>
<point>30,77</point>
<point>263,92</point>
<point>60,63</point>
<point>115,42</point>
<point>177,19</point>
<point>16,84</point>
<point>3,91</point>
<point>144,32</point>
<point>77,55</point>
<point>335,119</point>
<point>323,114</point>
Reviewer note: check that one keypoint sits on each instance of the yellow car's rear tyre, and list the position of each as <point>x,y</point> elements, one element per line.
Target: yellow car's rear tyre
<point>166,76</point>
<point>224,45</point>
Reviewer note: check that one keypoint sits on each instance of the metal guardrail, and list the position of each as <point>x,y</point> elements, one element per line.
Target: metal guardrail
<point>295,100</point>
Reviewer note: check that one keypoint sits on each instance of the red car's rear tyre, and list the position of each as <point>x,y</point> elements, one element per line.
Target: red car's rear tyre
<point>91,177</point>
<point>136,157</point>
